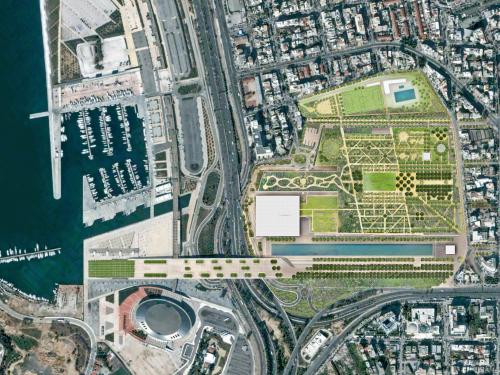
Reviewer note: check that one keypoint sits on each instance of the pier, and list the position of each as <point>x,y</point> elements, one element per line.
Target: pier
<point>39,115</point>
<point>31,255</point>
<point>54,120</point>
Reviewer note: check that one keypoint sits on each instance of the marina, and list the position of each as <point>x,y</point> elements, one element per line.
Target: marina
<point>113,147</point>
<point>54,223</point>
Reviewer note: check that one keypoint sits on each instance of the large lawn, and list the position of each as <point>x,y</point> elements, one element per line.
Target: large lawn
<point>379,181</point>
<point>315,202</point>
<point>322,211</point>
<point>324,221</point>
<point>115,268</point>
<point>363,100</point>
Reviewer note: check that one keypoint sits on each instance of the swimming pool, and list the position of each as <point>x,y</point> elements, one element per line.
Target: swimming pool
<point>340,249</point>
<point>404,95</point>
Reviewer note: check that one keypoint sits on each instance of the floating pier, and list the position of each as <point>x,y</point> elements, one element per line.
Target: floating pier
<point>39,115</point>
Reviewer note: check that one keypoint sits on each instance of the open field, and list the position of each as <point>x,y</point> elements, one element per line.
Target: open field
<point>324,221</point>
<point>379,181</point>
<point>322,211</point>
<point>318,202</point>
<point>34,348</point>
<point>362,100</point>
<point>329,147</point>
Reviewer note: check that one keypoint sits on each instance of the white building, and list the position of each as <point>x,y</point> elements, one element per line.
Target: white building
<point>421,325</point>
<point>114,57</point>
<point>450,250</point>
<point>315,344</point>
<point>277,215</point>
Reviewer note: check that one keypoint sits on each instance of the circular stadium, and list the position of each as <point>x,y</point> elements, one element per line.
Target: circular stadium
<point>164,318</point>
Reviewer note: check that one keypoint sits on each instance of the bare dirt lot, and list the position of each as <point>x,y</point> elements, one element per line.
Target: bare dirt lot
<point>144,360</point>
<point>42,348</point>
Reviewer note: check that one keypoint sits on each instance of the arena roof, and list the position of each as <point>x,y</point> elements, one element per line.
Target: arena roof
<point>164,318</point>
<point>277,215</point>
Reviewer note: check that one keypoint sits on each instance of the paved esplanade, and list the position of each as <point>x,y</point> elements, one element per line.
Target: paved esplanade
<point>100,265</point>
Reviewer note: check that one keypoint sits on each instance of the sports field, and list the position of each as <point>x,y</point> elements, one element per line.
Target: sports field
<point>379,181</point>
<point>113,268</point>
<point>362,100</point>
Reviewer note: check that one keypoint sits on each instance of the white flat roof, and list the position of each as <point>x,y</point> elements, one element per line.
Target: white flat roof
<point>387,83</point>
<point>450,249</point>
<point>114,56</point>
<point>277,215</point>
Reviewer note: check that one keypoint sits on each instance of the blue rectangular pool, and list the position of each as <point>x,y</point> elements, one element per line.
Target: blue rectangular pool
<point>404,95</point>
<point>341,249</point>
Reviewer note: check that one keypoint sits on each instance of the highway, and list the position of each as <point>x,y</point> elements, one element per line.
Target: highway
<point>298,345</point>
<point>49,319</point>
<point>216,85</point>
<point>220,103</point>
<point>278,311</point>
<point>233,92</point>
<point>352,311</point>
<point>260,357</point>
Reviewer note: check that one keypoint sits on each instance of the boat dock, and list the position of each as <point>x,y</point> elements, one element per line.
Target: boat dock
<point>39,115</point>
<point>18,255</point>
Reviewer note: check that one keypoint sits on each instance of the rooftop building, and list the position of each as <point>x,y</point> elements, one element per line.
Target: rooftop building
<point>277,215</point>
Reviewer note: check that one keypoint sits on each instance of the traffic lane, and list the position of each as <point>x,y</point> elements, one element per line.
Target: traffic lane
<point>215,78</point>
